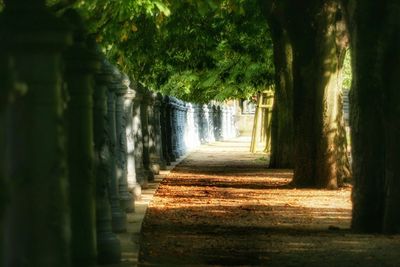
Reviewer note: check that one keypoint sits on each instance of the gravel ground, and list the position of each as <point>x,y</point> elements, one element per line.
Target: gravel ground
<point>222,207</point>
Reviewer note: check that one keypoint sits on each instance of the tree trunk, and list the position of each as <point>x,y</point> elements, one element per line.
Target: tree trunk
<point>318,51</point>
<point>375,115</point>
<point>282,114</point>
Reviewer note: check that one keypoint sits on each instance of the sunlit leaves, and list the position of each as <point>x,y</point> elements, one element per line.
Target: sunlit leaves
<point>229,49</point>
<point>347,74</point>
<point>197,50</point>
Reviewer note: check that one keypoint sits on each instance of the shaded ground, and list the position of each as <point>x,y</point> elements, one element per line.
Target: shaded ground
<point>221,206</point>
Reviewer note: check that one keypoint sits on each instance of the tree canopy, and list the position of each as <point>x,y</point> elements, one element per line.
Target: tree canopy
<point>195,50</point>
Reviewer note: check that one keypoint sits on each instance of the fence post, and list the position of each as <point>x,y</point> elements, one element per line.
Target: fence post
<point>118,216</point>
<point>158,140</point>
<point>144,113</point>
<point>121,118</point>
<point>211,123</point>
<point>165,129</point>
<point>36,222</point>
<point>131,180</point>
<point>108,245</point>
<point>141,174</point>
<point>174,128</point>
<point>155,160</point>
<point>182,128</point>
<point>81,64</point>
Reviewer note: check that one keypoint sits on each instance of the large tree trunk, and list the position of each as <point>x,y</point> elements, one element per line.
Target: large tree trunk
<point>318,51</point>
<point>282,114</point>
<point>375,114</point>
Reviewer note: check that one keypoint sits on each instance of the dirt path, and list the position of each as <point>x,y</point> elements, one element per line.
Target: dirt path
<point>221,206</point>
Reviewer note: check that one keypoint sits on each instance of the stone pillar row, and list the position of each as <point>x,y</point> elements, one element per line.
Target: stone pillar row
<point>79,140</point>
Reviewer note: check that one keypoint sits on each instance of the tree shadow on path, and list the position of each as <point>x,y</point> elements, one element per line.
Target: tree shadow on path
<point>234,212</point>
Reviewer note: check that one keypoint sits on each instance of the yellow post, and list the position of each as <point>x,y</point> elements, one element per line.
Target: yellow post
<point>257,124</point>
<point>261,135</point>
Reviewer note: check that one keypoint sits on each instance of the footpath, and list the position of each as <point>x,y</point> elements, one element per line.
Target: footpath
<point>221,206</point>
<point>130,239</point>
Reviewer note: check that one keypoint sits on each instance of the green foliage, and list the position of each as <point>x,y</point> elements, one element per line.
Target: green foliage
<point>227,50</point>
<point>197,50</point>
<point>347,72</point>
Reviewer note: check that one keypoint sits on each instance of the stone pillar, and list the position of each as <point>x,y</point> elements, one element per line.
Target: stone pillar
<point>192,139</point>
<point>146,101</point>
<point>155,146</point>
<point>182,128</point>
<point>7,87</point>
<point>81,64</point>
<point>118,216</point>
<point>165,129</point>
<point>108,245</point>
<point>158,140</point>
<point>216,123</point>
<point>211,126</point>
<point>224,122</point>
<point>177,128</point>
<point>36,224</point>
<point>138,138</point>
<point>126,199</point>
<point>204,122</point>
<point>230,122</point>
<point>170,132</point>
<point>197,123</point>
<point>154,160</point>
<point>174,128</point>
<point>133,184</point>
<point>189,135</point>
<point>219,120</point>
<point>227,122</point>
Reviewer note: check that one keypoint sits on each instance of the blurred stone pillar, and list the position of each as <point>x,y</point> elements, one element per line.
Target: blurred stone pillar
<point>191,133</point>
<point>182,120</point>
<point>81,64</point>
<point>219,120</point>
<point>204,120</point>
<point>228,122</point>
<point>158,118</point>
<point>7,88</point>
<point>211,136</point>
<point>174,128</point>
<point>216,125</point>
<point>232,122</point>
<point>133,184</point>
<point>126,199</point>
<point>141,175</point>
<point>199,109</point>
<point>197,123</point>
<point>155,146</point>
<point>169,119</point>
<point>224,122</point>
<point>118,215</point>
<point>36,224</point>
<point>146,102</point>
<point>166,129</point>
<point>179,128</point>
<point>108,245</point>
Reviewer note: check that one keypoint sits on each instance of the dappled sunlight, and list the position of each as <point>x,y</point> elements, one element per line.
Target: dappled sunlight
<point>222,206</point>
<point>259,200</point>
